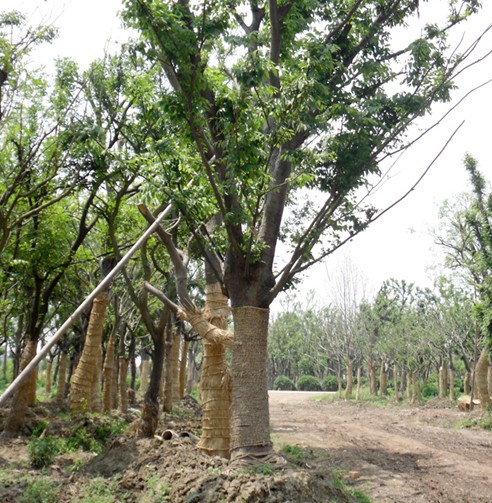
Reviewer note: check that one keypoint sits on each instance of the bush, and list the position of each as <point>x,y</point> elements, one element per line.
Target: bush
<point>308,383</point>
<point>329,383</point>
<point>431,389</point>
<point>283,383</point>
<point>42,451</point>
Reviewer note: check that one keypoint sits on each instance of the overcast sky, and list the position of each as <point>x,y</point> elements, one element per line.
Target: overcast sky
<point>399,244</point>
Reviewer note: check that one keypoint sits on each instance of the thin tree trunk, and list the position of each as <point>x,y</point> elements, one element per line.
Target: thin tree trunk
<point>20,402</point>
<point>373,387</point>
<point>81,392</point>
<point>383,380</point>
<point>481,370</point>
<point>489,380</point>
<point>49,366</point>
<point>167,388</point>
<point>452,375</point>
<point>350,379</point>
<point>183,365</point>
<point>175,350</point>
<point>357,389</point>
<point>395,383</point>
<point>62,375</point>
<point>466,383</point>
<point>122,385</point>
<point>108,374</point>
<point>250,431</point>
<point>150,408</point>
<point>409,386</point>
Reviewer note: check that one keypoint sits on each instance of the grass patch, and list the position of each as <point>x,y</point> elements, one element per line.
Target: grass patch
<point>261,469</point>
<point>358,495</point>
<point>483,422</point>
<point>40,491</point>
<point>293,453</point>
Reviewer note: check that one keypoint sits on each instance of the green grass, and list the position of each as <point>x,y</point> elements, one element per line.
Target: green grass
<point>484,422</point>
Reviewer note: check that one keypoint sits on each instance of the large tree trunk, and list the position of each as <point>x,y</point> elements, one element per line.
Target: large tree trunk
<point>409,385</point>
<point>395,383</point>
<point>466,383</point>
<point>489,379</point>
<point>250,424</point>
<point>481,371</point>
<point>62,376</point>
<point>81,391</point>
<point>167,387</point>
<point>108,374</point>
<point>175,349</point>
<point>20,402</point>
<point>215,382</point>
<point>415,387</point>
<point>443,380</point>
<point>383,380</point>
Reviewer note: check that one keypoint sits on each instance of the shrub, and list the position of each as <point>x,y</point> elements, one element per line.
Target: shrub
<point>329,383</point>
<point>42,451</point>
<point>308,383</point>
<point>429,390</point>
<point>283,383</point>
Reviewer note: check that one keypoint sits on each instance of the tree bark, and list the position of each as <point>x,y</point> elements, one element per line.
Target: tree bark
<point>167,388</point>
<point>20,402</point>
<point>489,379</point>
<point>175,350</point>
<point>452,375</point>
<point>250,424</point>
<point>466,383</point>
<point>383,380</point>
<point>481,371</point>
<point>409,386</point>
<point>372,379</point>
<point>81,392</point>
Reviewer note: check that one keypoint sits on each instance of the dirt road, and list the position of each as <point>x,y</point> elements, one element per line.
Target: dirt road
<point>412,454</point>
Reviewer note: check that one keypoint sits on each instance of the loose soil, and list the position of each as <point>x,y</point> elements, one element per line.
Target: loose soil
<point>391,454</point>
<point>395,453</point>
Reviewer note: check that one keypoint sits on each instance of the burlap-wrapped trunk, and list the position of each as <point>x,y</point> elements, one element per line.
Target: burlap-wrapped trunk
<point>84,377</point>
<point>250,435</point>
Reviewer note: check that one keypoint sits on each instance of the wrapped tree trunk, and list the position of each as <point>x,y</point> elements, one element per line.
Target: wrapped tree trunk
<point>62,376</point>
<point>31,384</point>
<point>350,379</point>
<point>20,402</point>
<point>97,383</point>
<point>250,431</point>
<point>144,377</point>
<point>49,366</point>
<point>215,382</point>
<point>81,392</point>
<point>481,371</point>
<point>108,375</point>
<point>409,385</point>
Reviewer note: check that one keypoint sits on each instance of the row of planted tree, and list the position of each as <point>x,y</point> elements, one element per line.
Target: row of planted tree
<point>230,123</point>
<point>405,336</point>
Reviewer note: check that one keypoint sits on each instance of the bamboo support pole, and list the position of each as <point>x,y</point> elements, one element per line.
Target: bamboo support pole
<point>68,323</point>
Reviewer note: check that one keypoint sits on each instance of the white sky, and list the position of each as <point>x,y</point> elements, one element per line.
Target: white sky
<point>398,245</point>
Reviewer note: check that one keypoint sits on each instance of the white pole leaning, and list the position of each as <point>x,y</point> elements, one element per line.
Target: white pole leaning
<point>68,323</point>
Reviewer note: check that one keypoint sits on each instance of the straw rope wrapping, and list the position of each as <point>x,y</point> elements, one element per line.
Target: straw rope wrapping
<point>250,416</point>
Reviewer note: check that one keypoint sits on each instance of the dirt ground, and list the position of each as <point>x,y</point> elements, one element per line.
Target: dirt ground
<point>400,454</point>
<point>391,454</point>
